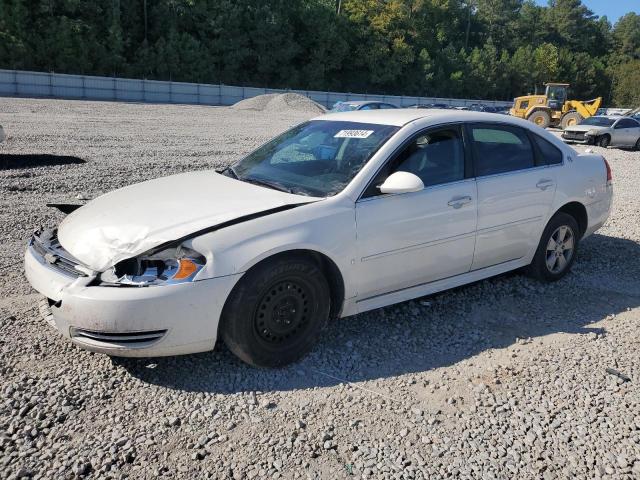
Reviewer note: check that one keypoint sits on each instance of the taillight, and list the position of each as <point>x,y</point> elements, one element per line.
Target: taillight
<point>609,176</point>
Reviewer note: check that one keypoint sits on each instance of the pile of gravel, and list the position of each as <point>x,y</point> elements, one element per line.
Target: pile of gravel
<point>280,103</point>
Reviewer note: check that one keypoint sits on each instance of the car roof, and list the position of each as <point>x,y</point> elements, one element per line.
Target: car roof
<point>402,116</point>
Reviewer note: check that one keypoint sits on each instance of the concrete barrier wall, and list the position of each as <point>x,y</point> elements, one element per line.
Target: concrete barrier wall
<point>16,83</point>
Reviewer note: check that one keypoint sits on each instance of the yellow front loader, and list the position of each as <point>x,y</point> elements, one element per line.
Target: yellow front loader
<point>553,109</point>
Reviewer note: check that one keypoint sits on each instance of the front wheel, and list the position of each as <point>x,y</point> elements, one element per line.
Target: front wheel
<point>604,141</point>
<point>276,312</point>
<point>557,249</point>
<point>638,144</point>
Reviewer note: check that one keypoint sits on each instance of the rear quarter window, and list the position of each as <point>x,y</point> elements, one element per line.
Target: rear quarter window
<point>551,155</point>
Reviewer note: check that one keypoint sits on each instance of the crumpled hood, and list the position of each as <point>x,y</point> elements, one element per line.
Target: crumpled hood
<point>585,128</point>
<point>129,221</point>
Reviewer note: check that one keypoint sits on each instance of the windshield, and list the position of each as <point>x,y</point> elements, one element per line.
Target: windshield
<point>598,121</point>
<point>344,107</point>
<point>317,158</point>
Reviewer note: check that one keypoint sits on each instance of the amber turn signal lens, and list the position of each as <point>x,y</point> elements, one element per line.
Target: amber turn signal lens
<point>185,270</point>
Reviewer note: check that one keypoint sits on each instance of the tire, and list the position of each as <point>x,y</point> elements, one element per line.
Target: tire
<point>604,141</point>
<point>570,119</point>
<point>638,144</point>
<point>546,265</point>
<point>540,118</point>
<point>276,312</point>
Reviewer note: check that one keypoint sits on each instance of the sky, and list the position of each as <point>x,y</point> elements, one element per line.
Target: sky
<point>613,9</point>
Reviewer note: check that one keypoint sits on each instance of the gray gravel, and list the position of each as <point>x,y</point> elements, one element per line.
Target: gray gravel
<point>281,103</point>
<point>502,379</point>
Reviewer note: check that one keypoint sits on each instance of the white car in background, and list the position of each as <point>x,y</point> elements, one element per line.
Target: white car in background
<point>339,215</point>
<point>605,131</point>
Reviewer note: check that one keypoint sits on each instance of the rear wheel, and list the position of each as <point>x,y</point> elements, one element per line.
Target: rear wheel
<point>557,249</point>
<point>540,118</point>
<point>570,119</point>
<point>604,141</point>
<point>638,144</point>
<point>276,312</point>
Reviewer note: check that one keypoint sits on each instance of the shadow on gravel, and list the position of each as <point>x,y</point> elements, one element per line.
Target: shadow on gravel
<point>429,333</point>
<point>10,161</point>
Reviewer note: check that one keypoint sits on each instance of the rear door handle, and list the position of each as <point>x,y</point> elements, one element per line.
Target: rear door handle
<point>457,202</point>
<point>544,184</point>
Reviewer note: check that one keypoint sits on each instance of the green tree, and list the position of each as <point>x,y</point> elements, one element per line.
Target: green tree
<point>455,48</point>
<point>625,84</point>
<point>627,35</point>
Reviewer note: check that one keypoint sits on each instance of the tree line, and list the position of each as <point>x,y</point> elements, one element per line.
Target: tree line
<point>491,49</point>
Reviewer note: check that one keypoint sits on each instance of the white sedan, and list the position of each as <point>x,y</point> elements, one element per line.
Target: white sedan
<point>339,215</point>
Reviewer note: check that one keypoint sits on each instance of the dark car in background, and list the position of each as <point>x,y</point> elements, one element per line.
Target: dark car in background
<point>361,105</point>
<point>440,106</point>
<point>478,107</point>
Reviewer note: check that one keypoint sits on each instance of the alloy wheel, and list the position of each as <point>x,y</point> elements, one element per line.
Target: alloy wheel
<point>560,249</point>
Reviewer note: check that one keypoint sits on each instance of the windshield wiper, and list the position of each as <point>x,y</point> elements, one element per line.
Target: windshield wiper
<point>267,183</point>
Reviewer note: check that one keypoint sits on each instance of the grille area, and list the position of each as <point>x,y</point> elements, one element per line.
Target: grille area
<point>46,245</point>
<point>117,339</point>
<point>573,135</point>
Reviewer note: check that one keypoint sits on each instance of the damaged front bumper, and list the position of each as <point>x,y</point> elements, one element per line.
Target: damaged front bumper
<point>124,321</point>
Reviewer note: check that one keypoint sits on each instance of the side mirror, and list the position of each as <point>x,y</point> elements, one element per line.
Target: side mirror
<point>401,182</point>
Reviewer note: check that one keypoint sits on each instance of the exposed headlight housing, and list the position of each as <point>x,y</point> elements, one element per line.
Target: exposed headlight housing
<point>591,133</point>
<point>167,267</point>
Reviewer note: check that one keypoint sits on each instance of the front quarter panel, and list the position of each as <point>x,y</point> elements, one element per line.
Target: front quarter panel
<point>326,226</point>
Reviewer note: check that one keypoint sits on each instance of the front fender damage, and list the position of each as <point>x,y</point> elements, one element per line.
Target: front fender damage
<point>104,246</point>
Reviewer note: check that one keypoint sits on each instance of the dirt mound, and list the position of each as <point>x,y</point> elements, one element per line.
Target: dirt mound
<point>280,103</point>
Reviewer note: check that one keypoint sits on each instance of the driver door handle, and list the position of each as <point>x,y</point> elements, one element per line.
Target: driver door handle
<point>457,202</point>
<point>544,184</point>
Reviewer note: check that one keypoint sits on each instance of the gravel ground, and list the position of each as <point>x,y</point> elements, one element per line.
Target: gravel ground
<point>502,379</point>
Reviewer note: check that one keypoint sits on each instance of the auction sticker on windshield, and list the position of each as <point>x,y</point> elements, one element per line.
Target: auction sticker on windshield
<point>353,134</point>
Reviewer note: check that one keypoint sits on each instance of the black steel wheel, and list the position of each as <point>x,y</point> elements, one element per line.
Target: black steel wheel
<point>283,311</point>
<point>604,141</point>
<point>276,312</point>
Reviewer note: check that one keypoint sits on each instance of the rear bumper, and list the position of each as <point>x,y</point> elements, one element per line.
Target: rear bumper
<point>130,321</point>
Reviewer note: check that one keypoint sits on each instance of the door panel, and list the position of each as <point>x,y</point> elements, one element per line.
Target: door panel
<point>618,136</point>
<point>630,136</point>
<point>512,209</point>
<point>515,191</point>
<point>625,132</point>
<point>414,238</point>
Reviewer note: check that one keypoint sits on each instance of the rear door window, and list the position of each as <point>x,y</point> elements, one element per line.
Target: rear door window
<point>500,149</point>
